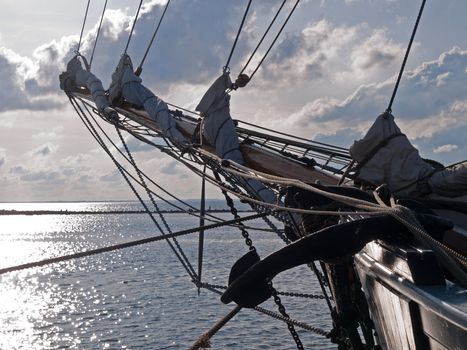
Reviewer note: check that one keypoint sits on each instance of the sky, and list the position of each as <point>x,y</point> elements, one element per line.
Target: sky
<point>328,77</point>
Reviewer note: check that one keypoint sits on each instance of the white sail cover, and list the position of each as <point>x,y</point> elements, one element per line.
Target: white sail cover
<point>83,78</point>
<point>396,164</point>
<point>387,157</point>
<point>218,129</point>
<point>451,182</point>
<point>130,86</point>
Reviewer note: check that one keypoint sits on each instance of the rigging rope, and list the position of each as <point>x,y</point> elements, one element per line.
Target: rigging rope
<point>213,217</point>
<point>244,79</point>
<point>400,213</point>
<point>192,212</point>
<point>133,27</point>
<point>263,37</point>
<point>203,340</point>
<point>140,67</point>
<point>122,245</point>
<point>275,39</point>
<point>201,223</point>
<point>82,28</point>
<point>97,35</point>
<point>389,109</point>
<point>133,163</point>
<point>119,167</point>
<point>226,67</point>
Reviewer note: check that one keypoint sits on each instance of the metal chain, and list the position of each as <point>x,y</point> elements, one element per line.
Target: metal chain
<point>216,289</point>
<point>234,212</point>
<point>302,295</point>
<point>249,243</point>
<point>300,324</point>
<point>281,308</point>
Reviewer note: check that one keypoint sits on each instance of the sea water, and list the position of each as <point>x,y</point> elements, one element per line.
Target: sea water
<point>139,297</point>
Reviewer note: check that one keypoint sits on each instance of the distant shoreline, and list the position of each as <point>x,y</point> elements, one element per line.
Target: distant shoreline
<point>91,212</point>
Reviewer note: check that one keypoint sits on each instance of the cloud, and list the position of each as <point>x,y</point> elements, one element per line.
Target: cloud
<point>54,134</point>
<point>445,148</point>
<point>423,107</point>
<point>193,52</point>
<point>43,150</point>
<point>17,170</point>
<point>2,157</point>
<point>21,85</point>
<point>135,145</point>
<point>322,50</point>
<point>42,176</point>
<point>113,177</point>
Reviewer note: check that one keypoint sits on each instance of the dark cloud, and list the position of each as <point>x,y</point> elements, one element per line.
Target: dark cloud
<point>113,177</point>
<point>44,151</point>
<point>169,168</point>
<point>16,92</point>
<point>17,170</point>
<point>41,176</point>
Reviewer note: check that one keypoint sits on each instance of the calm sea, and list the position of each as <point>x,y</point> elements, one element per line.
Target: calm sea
<point>135,298</point>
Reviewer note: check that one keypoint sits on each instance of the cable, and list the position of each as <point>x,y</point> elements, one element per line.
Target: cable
<point>82,28</point>
<point>97,35</point>
<point>226,67</point>
<point>275,39</point>
<point>264,36</point>
<point>140,67</point>
<point>388,110</point>
<point>133,27</point>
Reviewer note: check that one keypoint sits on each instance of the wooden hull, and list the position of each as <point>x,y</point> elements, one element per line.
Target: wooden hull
<point>411,304</point>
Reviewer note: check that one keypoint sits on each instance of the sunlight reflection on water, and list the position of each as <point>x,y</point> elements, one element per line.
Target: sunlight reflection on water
<point>137,297</point>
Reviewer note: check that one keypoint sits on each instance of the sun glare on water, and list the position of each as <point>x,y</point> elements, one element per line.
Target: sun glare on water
<point>28,298</point>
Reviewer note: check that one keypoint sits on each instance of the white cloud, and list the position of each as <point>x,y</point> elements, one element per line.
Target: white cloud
<point>423,107</point>
<point>445,148</point>
<point>323,52</point>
